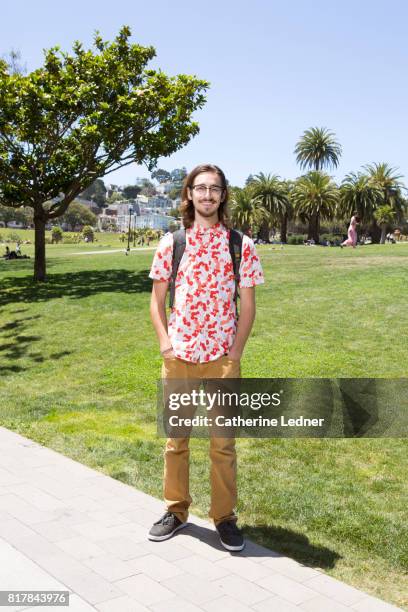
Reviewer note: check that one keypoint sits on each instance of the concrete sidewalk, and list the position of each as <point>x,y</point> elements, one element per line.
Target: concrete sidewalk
<point>64,526</point>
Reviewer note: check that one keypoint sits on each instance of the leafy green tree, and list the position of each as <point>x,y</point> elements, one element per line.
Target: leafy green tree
<point>27,216</point>
<point>315,196</point>
<point>130,192</point>
<point>56,235</point>
<point>161,176</point>
<point>177,175</point>
<point>272,193</point>
<point>96,192</point>
<point>246,211</point>
<point>17,215</point>
<point>147,188</point>
<point>7,215</point>
<point>384,215</point>
<point>115,196</point>
<point>82,116</point>
<point>78,214</point>
<point>175,192</point>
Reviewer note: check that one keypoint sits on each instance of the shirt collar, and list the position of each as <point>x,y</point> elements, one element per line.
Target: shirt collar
<point>201,231</point>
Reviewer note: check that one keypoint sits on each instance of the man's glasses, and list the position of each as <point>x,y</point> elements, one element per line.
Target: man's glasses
<point>213,189</point>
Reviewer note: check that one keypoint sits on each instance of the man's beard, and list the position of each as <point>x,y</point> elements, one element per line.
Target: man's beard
<point>209,213</point>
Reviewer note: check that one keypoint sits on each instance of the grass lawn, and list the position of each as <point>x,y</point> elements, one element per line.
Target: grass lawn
<point>79,363</point>
<point>103,240</point>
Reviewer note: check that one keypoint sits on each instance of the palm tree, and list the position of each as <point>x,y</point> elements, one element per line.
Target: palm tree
<point>384,215</point>
<point>318,149</point>
<point>315,196</point>
<point>272,193</point>
<point>383,176</point>
<point>245,210</point>
<point>358,195</point>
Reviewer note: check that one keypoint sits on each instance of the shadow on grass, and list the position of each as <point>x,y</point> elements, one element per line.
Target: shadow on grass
<point>74,285</point>
<point>15,345</point>
<point>292,544</point>
<point>269,542</point>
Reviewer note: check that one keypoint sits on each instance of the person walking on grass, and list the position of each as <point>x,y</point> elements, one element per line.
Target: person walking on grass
<point>204,338</point>
<point>352,232</point>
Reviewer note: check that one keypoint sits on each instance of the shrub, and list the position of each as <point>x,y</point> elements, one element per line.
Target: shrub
<point>71,238</point>
<point>296,239</point>
<point>56,234</point>
<point>88,233</point>
<point>333,238</point>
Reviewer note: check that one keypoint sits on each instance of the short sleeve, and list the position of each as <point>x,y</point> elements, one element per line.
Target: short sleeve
<point>162,260</point>
<point>250,270</point>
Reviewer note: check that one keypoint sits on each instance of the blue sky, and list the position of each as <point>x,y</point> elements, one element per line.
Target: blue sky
<point>276,68</point>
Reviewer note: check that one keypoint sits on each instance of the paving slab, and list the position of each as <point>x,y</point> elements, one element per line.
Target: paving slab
<point>17,572</point>
<point>65,526</point>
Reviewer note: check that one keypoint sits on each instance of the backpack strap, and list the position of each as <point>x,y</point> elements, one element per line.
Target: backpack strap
<point>179,246</point>
<point>235,249</point>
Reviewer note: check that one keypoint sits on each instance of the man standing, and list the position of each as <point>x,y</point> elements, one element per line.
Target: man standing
<point>203,339</point>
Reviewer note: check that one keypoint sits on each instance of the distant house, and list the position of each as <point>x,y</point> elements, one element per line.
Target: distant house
<point>159,201</point>
<point>142,200</point>
<point>154,221</point>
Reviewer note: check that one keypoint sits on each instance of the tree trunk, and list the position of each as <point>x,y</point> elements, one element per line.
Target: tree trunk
<point>310,228</point>
<point>264,231</point>
<point>39,257</point>
<point>284,227</point>
<point>375,232</point>
<point>383,233</point>
<point>313,231</point>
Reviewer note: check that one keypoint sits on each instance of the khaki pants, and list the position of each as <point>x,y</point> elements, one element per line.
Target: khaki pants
<point>223,473</point>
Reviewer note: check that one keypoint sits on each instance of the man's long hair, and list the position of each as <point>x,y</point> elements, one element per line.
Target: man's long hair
<point>187,208</point>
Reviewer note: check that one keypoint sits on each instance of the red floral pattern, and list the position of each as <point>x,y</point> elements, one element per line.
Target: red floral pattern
<point>202,323</point>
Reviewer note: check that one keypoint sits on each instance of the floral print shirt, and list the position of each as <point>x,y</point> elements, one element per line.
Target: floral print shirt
<point>203,322</point>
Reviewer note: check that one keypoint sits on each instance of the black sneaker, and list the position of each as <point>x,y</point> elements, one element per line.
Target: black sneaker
<point>165,527</point>
<point>230,536</point>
